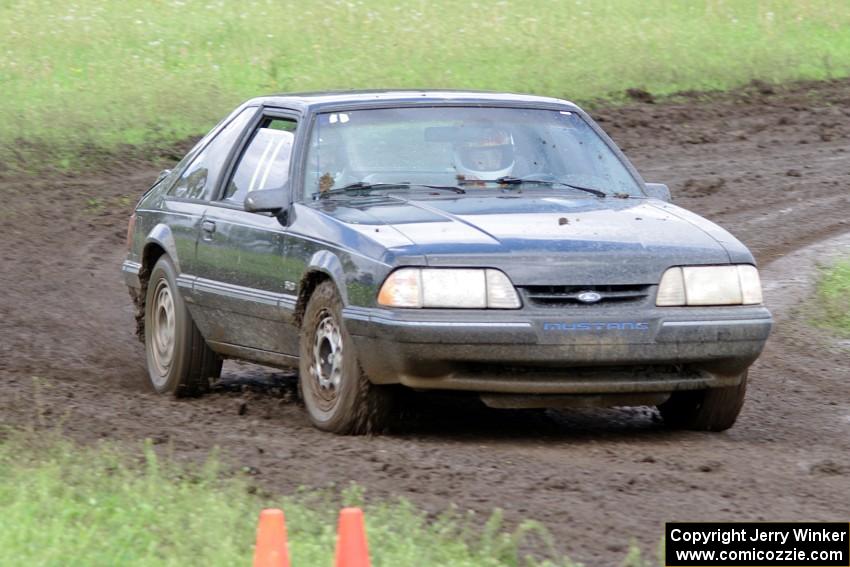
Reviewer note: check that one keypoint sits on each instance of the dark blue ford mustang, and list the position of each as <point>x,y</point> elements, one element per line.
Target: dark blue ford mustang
<point>496,244</point>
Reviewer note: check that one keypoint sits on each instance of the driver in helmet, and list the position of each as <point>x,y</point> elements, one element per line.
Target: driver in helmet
<point>485,156</point>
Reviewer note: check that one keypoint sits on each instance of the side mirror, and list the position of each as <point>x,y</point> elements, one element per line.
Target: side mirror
<point>267,200</point>
<point>659,191</point>
<point>162,175</point>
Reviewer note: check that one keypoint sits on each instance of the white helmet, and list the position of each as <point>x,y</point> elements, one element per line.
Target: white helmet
<point>486,156</point>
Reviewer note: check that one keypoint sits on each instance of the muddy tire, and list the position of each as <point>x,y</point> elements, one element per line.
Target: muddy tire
<point>337,394</point>
<point>179,361</point>
<point>714,409</point>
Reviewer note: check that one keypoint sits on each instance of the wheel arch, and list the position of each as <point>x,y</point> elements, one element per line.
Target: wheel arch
<point>159,242</point>
<point>158,239</point>
<point>323,266</point>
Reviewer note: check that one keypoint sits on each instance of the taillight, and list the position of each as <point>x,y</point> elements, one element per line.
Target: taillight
<point>131,228</point>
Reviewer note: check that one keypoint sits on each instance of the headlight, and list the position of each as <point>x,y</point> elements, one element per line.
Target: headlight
<point>449,288</point>
<point>710,285</point>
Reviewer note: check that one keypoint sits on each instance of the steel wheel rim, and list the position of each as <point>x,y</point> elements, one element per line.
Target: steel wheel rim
<point>327,360</point>
<point>163,331</point>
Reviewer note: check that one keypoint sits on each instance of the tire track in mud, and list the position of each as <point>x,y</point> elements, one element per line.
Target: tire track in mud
<point>595,478</point>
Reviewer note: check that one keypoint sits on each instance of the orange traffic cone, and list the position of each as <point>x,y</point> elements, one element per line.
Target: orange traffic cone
<point>351,547</point>
<point>271,550</point>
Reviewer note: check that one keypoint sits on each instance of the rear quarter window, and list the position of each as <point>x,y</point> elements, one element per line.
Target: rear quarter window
<point>199,177</point>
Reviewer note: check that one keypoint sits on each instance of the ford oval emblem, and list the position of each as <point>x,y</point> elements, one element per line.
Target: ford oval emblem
<point>589,297</point>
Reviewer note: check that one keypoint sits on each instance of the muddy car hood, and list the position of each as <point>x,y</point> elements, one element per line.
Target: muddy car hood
<point>542,240</point>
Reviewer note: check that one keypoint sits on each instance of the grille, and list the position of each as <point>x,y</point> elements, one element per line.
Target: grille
<point>563,295</point>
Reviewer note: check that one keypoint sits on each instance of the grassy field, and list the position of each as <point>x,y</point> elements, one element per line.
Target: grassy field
<point>106,73</point>
<point>834,294</point>
<point>62,504</point>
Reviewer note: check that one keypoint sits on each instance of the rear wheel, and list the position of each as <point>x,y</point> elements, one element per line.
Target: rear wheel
<point>179,360</point>
<point>337,394</point>
<point>713,409</point>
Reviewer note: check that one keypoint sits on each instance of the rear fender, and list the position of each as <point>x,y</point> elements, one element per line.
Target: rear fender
<point>161,235</point>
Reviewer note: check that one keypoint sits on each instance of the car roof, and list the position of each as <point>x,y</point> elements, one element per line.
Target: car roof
<point>314,101</point>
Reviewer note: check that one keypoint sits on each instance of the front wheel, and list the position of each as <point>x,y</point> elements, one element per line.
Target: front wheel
<point>179,360</point>
<point>337,394</point>
<point>713,409</point>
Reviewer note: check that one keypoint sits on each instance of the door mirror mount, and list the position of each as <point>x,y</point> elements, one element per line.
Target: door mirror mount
<point>659,191</point>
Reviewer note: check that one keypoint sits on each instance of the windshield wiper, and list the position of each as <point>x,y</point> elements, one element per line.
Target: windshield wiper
<point>357,187</point>
<point>509,180</point>
<point>451,188</point>
<point>362,186</point>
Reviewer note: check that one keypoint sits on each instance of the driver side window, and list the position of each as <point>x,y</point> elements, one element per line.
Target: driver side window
<point>264,163</point>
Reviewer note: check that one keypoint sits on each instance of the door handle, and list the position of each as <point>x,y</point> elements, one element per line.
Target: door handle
<point>208,226</point>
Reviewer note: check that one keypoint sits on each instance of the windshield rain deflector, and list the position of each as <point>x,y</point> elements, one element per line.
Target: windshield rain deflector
<point>478,149</point>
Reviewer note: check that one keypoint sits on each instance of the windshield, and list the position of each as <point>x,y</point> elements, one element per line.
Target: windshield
<point>543,150</point>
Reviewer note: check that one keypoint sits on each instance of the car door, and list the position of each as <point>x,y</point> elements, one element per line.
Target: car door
<point>240,254</point>
<point>183,206</point>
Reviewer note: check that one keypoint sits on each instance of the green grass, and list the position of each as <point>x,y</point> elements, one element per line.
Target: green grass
<point>62,504</point>
<point>834,296</point>
<point>97,73</point>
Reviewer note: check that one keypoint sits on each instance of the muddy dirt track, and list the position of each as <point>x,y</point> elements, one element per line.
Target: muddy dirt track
<point>771,166</point>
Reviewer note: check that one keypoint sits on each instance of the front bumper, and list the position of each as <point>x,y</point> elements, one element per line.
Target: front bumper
<point>643,351</point>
